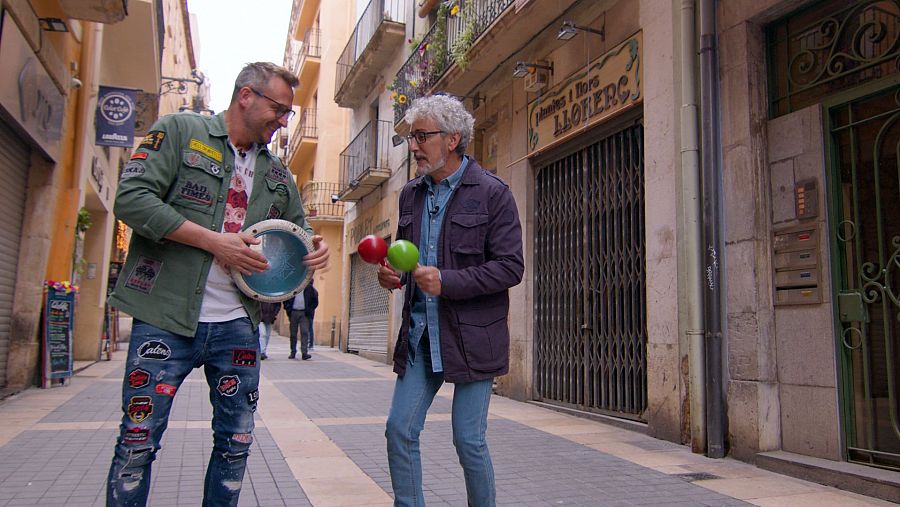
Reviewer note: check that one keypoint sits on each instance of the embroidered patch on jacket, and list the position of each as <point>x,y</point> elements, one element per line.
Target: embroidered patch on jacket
<point>243,357</point>
<point>153,140</point>
<point>133,168</point>
<point>155,349</point>
<point>136,435</point>
<point>228,385</point>
<point>140,408</point>
<point>143,275</point>
<point>253,397</point>
<point>277,173</point>
<point>138,378</point>
<point>194,159</point>
<point>167,389</point>
<point>196,192</point>
<point>274,212</point>
<point>140,155</point>
<point>215,169</point>
<point>205,149</point>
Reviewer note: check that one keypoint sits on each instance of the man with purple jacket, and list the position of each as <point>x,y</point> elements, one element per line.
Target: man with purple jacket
<point>465,222</point>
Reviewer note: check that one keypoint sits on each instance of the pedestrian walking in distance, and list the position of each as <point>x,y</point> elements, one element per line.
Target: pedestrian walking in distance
<point>192,186</point>
<point>454,327</point>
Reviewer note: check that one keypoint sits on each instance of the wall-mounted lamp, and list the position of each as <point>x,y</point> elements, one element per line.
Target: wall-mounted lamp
<point>335,198</point>
<point>522,69</point>
<point>53,25</point>
<point>179,84</point>
<point>569,29</point>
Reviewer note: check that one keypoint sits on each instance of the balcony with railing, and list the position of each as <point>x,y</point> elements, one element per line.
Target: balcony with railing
<point>304,139</point>
<point>378,35</point>
<point>318,201</point>
<point>306,59</point>
<point>451,56</point>
<point>364,162</point>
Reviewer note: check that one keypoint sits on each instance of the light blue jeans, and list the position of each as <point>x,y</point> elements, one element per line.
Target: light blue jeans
<point>158,362</point>
<point>413,394</point>
<point>265,332</point>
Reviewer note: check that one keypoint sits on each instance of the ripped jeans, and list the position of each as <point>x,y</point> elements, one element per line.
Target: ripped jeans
<point>158,362</point>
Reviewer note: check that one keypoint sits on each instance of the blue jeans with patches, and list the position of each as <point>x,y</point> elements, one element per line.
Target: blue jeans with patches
<point>413,394</point>
<point>158,362</point>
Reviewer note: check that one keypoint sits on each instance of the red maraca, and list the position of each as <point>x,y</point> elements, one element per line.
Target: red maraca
<point>372,249</point>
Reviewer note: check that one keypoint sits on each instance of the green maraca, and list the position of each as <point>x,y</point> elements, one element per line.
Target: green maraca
<point>403,255</point>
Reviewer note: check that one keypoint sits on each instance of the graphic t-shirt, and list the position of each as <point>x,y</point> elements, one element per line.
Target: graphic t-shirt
<point>222,301</point>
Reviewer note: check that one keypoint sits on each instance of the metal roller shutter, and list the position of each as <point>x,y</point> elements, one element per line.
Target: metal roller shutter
<point>14,156</point>
<point>368,309</point>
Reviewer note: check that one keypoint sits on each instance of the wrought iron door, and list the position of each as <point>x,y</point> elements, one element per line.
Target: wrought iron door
<point>590,292</point>
<point>865,139</point>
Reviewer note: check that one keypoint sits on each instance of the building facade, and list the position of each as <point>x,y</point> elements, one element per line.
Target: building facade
<point>704,188</point>
<point>62,50</point>
<point>63,181</point>
<point>314,139</point>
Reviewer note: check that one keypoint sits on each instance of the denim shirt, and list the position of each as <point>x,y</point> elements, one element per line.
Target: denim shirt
<point>424,311</point>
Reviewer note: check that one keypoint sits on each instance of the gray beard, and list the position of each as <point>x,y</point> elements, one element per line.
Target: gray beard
<point>434,167</point>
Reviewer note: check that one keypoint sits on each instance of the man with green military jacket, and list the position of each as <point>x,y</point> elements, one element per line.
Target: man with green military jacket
<point>193,184</point>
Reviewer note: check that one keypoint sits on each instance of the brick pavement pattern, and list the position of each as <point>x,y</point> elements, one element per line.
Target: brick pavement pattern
<point>336,405</point>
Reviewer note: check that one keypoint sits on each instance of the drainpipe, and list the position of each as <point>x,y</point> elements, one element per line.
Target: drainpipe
<point>693,234</point>
<point>709,107</point>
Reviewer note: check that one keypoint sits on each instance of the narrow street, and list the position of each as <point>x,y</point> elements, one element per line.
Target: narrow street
<point>319,441</point>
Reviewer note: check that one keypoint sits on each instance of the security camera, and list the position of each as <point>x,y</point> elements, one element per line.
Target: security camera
<point>335,198</point>
<point>76,83</point>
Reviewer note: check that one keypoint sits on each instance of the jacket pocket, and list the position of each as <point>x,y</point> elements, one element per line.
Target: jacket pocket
<point>485,340</point>
<point>279,197</point>
<point>198,185</point>
<point>404,226</point>
<point>467,233</point>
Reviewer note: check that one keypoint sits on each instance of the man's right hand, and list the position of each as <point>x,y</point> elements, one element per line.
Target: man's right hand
<point>388,278</point>
<point>230,249</point>
<point>233,252</point>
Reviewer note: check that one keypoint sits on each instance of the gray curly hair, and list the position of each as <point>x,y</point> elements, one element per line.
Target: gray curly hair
<point>449,114</point>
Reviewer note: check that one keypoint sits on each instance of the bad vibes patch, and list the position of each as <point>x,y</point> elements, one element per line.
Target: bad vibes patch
<point>196,192</point>
<point>228,385</point>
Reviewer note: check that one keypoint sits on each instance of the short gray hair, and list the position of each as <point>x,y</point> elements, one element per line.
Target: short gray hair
<point>257,75</point>
<point>449,114</point>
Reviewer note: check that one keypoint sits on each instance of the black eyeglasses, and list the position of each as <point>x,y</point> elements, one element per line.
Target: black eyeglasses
<point>421,136</point>
<point>280,109</point>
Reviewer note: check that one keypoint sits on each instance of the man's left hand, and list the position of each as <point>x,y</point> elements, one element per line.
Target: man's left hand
<point>428,278</point>
<point>318,258</point>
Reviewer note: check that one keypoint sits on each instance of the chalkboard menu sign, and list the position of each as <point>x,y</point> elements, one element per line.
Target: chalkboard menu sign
<point>59,322</point>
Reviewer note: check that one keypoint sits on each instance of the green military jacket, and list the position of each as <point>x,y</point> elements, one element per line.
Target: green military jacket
<point>182,171</point>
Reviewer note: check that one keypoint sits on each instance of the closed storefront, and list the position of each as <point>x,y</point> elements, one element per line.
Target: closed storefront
<point>368,309</point>
<point>14,156</point>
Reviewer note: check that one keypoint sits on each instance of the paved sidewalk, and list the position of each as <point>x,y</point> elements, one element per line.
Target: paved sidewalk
<point>319,441</point>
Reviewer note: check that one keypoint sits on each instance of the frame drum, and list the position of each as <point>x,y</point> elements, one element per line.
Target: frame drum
<point>284,244</point>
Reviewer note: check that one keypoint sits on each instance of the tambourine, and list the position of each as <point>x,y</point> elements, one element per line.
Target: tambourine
<point>283,244</point>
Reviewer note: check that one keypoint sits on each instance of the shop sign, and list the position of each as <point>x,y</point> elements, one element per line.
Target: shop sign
<point>27,93</point>
<point>115,117</point>
<point>607,86</point>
